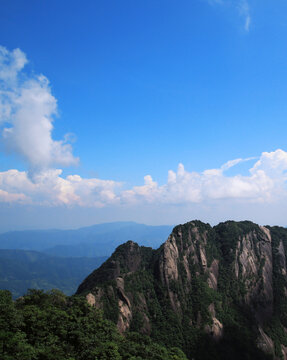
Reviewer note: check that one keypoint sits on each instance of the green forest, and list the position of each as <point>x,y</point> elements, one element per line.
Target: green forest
<point>52,326</point>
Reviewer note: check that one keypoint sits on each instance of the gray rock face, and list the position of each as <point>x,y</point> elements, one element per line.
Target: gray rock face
<point>184,248</point>
<point>168,261</point>
<point>253,264</point>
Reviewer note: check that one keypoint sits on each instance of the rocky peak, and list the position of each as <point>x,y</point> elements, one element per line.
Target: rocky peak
<point>202,280</point>
<point>127,258</point>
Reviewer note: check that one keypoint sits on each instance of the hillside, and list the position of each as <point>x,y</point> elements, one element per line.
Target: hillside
<point>216,292</point>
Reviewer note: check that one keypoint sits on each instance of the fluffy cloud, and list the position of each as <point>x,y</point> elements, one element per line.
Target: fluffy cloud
<point>11,63</point>
<point>50,188</point>
<point>266,182</point>
<point>27,111</point>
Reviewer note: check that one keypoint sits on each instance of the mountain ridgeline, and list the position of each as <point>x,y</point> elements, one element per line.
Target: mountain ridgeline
<point>215,292</point>
<point>91,241</point>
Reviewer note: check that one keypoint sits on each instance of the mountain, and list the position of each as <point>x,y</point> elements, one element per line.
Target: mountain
<point>21,270</point>
<point>92,241</point>
<point>215,292</point>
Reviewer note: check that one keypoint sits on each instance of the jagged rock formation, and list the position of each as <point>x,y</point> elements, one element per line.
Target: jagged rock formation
<point>216,292</point>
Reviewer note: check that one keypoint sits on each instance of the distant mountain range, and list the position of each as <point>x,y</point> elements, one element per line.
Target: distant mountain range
<point>92,241</point>
<point>47,259</point>
<point>21,270</point>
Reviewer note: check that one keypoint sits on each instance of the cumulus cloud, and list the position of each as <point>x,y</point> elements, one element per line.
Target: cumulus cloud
<point>50,188</point>
<point>273,163</point>
<point>27,112</point>
<point>265,183</point>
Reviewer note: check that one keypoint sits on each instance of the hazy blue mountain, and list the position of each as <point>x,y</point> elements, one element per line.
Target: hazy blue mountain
<point>21,270</point>
<point>96,240</point>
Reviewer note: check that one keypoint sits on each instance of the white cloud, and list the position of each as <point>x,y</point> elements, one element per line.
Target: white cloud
<point>12,198</point>
<point>229,164</point>
<point>11,63</point>
<point>273,163</point>
<point>266,182</point>
<point>27,111</point>
<point>50,188</point>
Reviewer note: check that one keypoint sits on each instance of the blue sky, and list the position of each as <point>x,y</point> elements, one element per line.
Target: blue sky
<point>141,87</point>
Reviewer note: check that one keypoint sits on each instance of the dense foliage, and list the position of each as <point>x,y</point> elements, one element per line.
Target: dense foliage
<point>52,326</point>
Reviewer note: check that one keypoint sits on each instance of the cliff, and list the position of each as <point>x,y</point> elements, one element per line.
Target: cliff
<point>216,292</point>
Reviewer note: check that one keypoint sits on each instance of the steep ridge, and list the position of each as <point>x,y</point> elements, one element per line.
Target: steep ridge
<point>216,292</point>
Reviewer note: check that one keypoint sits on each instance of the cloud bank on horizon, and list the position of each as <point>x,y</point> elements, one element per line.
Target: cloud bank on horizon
<point>266,182</point>
<point>27,113</point>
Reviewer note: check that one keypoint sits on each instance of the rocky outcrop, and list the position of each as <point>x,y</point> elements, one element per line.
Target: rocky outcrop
<point>213,274</point>
<point>253,265</point>
<point>182,258</point>
<point>201,280</point>
<point>91,299</point>
<point>168,261</point>
<point>265,343</point>
<point>215,330</point>
<point>125,309</point>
